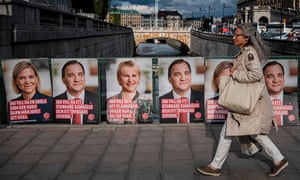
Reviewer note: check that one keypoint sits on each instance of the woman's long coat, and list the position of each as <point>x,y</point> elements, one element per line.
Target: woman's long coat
<point>248,69</point>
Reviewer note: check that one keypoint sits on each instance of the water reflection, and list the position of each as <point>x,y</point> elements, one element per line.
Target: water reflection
<point>154,49</point>
<point>161,47</point>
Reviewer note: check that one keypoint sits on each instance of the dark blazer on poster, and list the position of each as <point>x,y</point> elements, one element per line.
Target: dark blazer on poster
<point>196,97</point>
<point>89,98</point>
<point>46,109</point>
<point>291,99</point>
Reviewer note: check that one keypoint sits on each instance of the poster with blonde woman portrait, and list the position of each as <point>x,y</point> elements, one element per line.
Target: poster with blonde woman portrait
<point>214,69</point>
<point>28,90</point>
<point>129,90</point>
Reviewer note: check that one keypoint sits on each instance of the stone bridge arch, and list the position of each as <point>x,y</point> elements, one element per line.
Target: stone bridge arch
<point>183,35</point>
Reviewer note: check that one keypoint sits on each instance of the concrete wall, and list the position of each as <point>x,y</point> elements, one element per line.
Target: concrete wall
<point>28,30</point>
<point>210,44</point>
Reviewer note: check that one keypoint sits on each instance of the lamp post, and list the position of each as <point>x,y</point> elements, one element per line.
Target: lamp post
<point>156,13</point>
<point>281,18</point>
<point>200,12</point>
<point>209,9</point>
<point>224,6</point>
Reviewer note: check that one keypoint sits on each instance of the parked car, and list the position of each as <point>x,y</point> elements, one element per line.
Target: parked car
<point>282,36</point>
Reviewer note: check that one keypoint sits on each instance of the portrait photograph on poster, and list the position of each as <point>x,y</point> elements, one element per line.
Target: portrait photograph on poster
<point>28,90</point>
<point>181,89</point>
<point>281,77</point>
<point>214,68</point>
<point>129,91</point>
<point>75,90</point>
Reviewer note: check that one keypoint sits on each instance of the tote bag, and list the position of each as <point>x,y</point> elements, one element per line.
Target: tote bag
<point>240,97</point>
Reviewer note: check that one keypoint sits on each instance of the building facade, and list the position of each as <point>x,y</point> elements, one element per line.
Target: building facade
<point>171,19</point>
<point>134,19</point>
<point>264,12</point>
<point>148,21</point>
<point>128,18</point>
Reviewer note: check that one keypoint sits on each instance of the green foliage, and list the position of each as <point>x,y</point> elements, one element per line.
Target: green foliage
<point>115,19</point>
<point>101,7</point>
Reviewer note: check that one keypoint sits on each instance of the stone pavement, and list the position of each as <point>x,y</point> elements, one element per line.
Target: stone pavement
<point>132,152</point>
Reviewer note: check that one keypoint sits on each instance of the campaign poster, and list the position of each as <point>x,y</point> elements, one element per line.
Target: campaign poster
<point>281,77</point>
<point>75,90</point>
<point>28,90</point>
<point>181,89</point>
<point>214,113</point>
<point>129,91</point>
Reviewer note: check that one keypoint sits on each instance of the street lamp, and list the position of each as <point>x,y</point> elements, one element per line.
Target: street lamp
<point>281,18</point>
<point>156,13</point>
<point>200,12</point>
<point>224,6</point>
<point>210,8</point>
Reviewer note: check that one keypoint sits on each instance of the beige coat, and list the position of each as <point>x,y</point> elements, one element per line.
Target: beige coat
<point>248,69</point>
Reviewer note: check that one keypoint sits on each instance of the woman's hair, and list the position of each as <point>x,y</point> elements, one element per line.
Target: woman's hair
<point>19,67</point>
<point>248,30</point>
<point>128,63</point>
<point>218,70</point>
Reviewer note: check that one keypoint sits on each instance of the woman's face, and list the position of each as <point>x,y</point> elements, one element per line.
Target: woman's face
<point>129,78</point>
<point>27,81</point>
<point>239,39</point>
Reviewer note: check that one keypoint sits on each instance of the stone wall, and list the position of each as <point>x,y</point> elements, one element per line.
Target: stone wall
<point>211,44</point>
<point>30,30</point>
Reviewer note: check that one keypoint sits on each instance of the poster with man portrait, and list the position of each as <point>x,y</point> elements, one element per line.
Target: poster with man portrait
<point>214,68</point>
<point>75,90</point>
<point>28,90</point>
<point>129,90</point>
<point>281,77</point>
<point>181,89</point>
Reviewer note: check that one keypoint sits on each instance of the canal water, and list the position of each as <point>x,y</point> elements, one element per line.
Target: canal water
<point>157,49</point>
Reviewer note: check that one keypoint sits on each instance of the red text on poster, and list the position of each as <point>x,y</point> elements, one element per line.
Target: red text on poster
<point>21,109</point>
<point>171,108</point>
<point>64,109</point>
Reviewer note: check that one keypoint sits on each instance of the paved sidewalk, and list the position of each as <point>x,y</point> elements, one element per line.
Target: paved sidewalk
<point>133,152</point>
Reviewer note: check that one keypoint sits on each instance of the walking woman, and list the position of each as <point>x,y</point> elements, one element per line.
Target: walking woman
<point>247,69</point>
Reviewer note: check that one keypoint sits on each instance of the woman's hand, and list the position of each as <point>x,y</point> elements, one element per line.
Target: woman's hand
<point>232,70</point>
<point>226,72</point>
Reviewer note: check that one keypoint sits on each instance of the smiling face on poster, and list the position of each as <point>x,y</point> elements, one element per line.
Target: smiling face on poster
<point>181,83</point>
<point>281,82</point>
<point>28,90</point>
<point>129,91</point>
<point>75,90</point>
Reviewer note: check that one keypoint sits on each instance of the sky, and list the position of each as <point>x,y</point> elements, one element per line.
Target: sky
<point>188,8</point>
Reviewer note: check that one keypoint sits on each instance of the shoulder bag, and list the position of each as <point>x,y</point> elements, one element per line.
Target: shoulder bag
<point>239,97</point>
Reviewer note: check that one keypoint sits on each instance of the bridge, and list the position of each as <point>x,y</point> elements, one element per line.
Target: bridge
<point>182,34</point>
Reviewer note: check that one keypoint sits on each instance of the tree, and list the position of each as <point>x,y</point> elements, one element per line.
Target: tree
<point>101,7</point>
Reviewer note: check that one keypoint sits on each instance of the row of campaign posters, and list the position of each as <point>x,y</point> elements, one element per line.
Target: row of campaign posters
<point>134,90</point>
